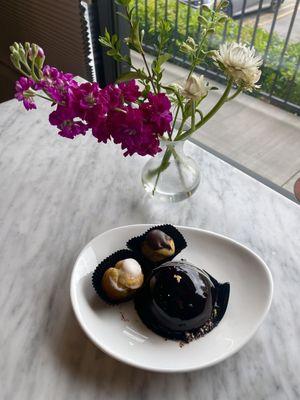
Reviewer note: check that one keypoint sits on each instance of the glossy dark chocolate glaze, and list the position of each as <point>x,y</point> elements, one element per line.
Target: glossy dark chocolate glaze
<point>157,239</point>
<point>179,299</point>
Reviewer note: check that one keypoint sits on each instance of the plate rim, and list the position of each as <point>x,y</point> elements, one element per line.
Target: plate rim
<point>172,370</point>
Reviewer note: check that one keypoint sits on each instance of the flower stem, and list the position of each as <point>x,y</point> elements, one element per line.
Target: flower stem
<point>197,59</point>
<point>178,162</point>
<point>23,72</point>
<point>149,72</point>
<point>212,112</point>
<point>180,128</point>
<point>163,166</point>
<point>43,97</point>
<point>193,114</point>
<point>33,74</point>
<point>200,113</point>
<point>174,121</point>
<point>142,52</point>
<point>239,90</point>
<point>25,63</point>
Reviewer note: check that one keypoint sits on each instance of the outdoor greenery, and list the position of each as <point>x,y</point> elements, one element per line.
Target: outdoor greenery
<point>282,81</point>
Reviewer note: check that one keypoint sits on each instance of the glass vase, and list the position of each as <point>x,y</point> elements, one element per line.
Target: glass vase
<point>171,175</point>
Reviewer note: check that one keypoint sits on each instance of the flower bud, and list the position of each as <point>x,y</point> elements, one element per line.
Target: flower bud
<point>196,87</point>
<point>40,57</point>
<point>224,4</point>
<point>22,54</point>
<point>205,7</point>
<point>223,18</point>
<point>21,50</point>
<point>185,48</point>
<point>16,46</point>
<point>15,60</point>
<point>33,51</point>
<point>190,42</point>
<point>202,20</point>
<point>210,53</point>
<point>40,53</point>
<point>210,30</point>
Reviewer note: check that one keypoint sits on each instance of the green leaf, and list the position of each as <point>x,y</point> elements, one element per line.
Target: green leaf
<point>134,41</point>
<point>163,58</point>
<point>127,76</point>
<point>127,59</point>
<point>224,4</point>
<point>146,90</point>
<point>107,35</point>
<point>130,13</point>
<point>114,39</point>
<point>105,40</point>
<point>122,15</point>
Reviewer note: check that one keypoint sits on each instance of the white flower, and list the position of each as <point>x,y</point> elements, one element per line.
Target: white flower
<point>196,87</point>
<point>240,63</point>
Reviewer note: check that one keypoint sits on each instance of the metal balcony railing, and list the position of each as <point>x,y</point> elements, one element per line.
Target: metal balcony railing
<point>280,81</point>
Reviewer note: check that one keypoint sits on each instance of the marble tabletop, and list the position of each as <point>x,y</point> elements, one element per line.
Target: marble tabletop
<point>55,196</point>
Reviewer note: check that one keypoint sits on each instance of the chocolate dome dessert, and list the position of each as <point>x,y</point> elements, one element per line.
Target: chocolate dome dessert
<point>182,302</point>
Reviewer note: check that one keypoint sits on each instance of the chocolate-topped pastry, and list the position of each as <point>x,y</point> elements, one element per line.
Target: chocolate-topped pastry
<point>157,246</point>
<point>122,280</point>
<point>180,301</point>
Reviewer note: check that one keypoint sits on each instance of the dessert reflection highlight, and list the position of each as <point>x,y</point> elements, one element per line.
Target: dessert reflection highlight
<point>122,280</point>
<point>180,301</point>
<point>157,246</point>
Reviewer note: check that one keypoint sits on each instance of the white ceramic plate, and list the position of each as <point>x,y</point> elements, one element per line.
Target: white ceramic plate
<point>118,331</point>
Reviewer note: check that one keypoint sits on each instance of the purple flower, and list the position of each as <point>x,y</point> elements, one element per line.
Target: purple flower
<point>107,112</point>
<point>40,53</point>
<point>128,128</point>
<point>130,91</point>
<point>100,130</point>
<point>24,87</point>
<point>51,74</point>
<point>157,112</point>
<point>113,96</point>
<point>89,103</point>
<point>63,118</point>
<point>57,84</point>
<point>89,95</point>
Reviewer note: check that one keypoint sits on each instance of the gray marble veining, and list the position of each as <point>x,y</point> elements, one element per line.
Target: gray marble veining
<point>55,195</point>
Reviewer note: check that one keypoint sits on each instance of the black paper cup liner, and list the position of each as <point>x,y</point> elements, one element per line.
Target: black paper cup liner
<point>135,244</point>
<point>107,263</point>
